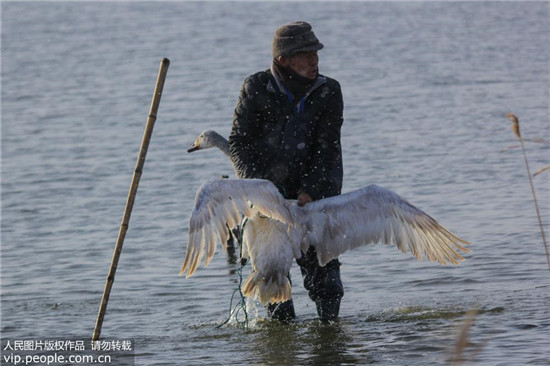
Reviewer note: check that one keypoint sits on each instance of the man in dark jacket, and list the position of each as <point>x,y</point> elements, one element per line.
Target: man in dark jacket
<point>286,129</point>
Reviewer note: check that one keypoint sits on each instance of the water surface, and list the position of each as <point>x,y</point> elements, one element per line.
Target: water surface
<point>426,88</point>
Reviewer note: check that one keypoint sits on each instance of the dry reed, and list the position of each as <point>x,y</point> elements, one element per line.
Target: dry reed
<point>515,127</point>
<point>543,169</point>
<point>462,339</point>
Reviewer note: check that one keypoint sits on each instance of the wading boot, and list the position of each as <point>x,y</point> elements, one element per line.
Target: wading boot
<point>323,284</point>
<point>282,311</point>
<point>328,309</point>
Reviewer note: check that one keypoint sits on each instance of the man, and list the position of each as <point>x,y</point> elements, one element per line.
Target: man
<point>286,129</point>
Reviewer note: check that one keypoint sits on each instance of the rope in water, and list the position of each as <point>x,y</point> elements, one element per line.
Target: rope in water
<point>241,305</point>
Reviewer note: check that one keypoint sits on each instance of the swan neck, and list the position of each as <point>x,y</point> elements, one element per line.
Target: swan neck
<point>221,143</point>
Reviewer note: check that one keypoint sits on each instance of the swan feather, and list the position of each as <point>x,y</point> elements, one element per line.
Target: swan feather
<point>375,214</point>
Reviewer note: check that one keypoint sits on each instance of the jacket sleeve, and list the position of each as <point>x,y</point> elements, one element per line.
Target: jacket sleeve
<point>324,174</point>
<point>244,133</point>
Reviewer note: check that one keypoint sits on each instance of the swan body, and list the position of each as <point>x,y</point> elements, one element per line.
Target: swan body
<point>278,231</point>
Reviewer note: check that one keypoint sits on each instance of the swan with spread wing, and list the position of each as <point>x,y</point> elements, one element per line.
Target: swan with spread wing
<point>278,231</point>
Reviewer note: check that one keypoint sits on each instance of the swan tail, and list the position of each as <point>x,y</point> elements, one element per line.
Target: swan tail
<point>268,290</point>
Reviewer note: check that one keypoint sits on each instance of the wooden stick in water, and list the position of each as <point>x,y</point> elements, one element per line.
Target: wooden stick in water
<point>132,194</point>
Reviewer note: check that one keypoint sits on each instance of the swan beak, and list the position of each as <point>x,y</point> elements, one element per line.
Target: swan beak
<point>196,146</point>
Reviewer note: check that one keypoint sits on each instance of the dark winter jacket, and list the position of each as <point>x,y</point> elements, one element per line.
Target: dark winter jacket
<point>295,144</point>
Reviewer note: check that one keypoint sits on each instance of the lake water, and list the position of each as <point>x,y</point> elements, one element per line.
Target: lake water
<point>426,86</point>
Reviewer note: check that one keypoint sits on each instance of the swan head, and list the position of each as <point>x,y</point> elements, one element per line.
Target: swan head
<point>206,140</point>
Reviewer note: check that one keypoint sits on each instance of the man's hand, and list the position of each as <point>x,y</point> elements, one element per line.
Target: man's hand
<point>303,198</point>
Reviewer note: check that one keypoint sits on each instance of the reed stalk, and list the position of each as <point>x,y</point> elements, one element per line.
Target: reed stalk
<point>515,127</point>
<point>463,338</point>
<point>543,169</point>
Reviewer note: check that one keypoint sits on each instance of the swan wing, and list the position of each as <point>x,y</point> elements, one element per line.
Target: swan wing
<point>375,214</point>
<point>222,203</point>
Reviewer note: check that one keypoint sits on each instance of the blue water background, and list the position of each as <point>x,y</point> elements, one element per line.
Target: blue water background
<point>426,86</point>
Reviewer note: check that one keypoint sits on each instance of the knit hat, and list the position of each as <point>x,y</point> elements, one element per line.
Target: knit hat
<point>294,37</point>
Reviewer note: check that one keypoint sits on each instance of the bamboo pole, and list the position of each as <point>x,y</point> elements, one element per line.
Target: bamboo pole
<point>132,194</point>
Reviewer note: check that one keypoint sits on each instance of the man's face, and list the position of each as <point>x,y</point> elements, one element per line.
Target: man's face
<point>305,64</point>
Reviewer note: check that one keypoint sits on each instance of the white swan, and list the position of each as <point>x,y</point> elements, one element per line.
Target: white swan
<point>278,231</point>
<point>209,139</point>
